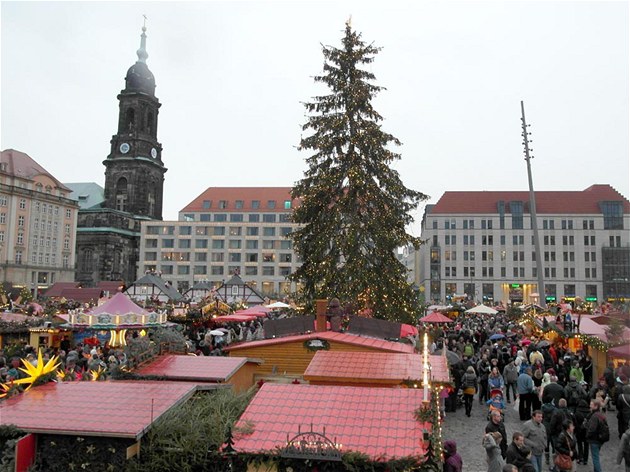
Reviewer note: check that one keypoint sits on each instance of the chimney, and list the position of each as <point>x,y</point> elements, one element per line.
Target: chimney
<point>321,306</point>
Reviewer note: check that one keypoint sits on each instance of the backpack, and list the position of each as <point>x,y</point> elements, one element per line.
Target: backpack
<point>574,396</point>
<point>603,432</point>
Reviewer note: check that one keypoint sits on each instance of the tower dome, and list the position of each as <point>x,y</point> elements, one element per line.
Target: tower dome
<point>139,77</point>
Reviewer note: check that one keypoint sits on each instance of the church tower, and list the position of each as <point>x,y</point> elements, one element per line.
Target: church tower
<point>134,174</point>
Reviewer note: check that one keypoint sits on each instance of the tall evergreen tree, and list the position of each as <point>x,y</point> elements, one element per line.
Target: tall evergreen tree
<point>354,207</point>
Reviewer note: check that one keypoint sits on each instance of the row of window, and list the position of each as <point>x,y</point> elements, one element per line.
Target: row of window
<point>220,257</point>
<point>551,272</point>
<point>488,290</point>
<point>240,217</point>
<point>218,230</point>
<point>40,258</point>
<point>220,244</point>
<point>613,219</point>
<point>240,204</point>
<point>221,270</point>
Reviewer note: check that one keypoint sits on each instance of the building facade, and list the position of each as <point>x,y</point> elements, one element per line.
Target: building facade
<point>108,233</point>
<point>481,244</point>
<point>226,230</point>
<point>38,224</point>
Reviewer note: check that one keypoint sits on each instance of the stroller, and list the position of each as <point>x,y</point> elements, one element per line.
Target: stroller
<point>496,402</point>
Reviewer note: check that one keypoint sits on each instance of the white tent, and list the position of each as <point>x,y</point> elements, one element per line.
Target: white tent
<point>278,305</point>
<point>482,309</point>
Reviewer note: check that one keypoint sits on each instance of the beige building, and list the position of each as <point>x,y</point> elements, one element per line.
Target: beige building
<point>225,230</point>
<point>37,224</point>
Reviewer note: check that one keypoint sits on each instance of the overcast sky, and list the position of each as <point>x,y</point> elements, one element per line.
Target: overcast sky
<point>231,77</point>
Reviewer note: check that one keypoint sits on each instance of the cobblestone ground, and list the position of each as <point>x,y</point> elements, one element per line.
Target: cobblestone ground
<point>468,432</point>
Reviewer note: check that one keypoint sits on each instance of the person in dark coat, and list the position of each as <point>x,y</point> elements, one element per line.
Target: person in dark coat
<point>496,425</point>
<point>566,443</point>
<point>581,413</point>
<point>452,460</point>
<point>623,409</point>
<point>518,453</point>
<point>553,391</point>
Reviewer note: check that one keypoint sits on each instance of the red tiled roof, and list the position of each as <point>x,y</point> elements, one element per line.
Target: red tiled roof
<point>194,368</point>
<point>553,202</point>
<point>343,338</point>
<point>115,409</point>
<point>82,294</point>
<point>58,287</point>
<point>20,164</point>
<point>378,422</point>
<point>246,195</point>
<point>376,366</point>
<point>111,286</point>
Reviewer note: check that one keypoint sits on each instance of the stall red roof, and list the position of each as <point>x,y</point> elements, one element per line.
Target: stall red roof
<point>378,422</point>
<point>83,295</point>
<point>58,287</point>
<point>373,366</point>
<point>194,368</point>
<point>234,319</point>
<point>123,409</point>
<point>343,338</point>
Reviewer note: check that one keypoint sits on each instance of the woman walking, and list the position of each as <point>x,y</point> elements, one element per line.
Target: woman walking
<point>566,445</point>
<point>490,443</point>
<point>469,385</point>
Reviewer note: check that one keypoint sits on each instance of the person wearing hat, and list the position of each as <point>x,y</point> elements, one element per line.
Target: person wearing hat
<point>452,460</point>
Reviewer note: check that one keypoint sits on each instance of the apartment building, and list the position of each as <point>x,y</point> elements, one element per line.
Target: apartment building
<point>223,231</point>
<point>38,224</point>
<point>481,244</point>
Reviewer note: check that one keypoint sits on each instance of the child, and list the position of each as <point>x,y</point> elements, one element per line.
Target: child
<point>496,403</point>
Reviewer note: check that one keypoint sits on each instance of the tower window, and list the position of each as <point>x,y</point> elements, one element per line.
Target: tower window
<point>121,194</point>
<point>150,123</point>
<point>130,118</point>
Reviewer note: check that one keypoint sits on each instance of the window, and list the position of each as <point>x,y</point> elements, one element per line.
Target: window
<point>268,257</point>
<point>20,238</point>
<point>236,217</point>
<point>287,204</point>
<point>185,230</point>
<point>184,243</point>
<point>516,208</point>
<point>251,270</point>
<point>200,270</point>
<point>18,257</point>
<point>150,256</point>
<point>183,270</point>
<point>251,257</point>
<point>251,244</point>
<point>254,217</point>
<point>234,257</point>
<point>269,218</point>
<point>284,271</point>
<point>238,204</point>
<point>235,230</point>
<point>220,217</point>
<point>269,231</point>
<point>285,257</point>
<point>255,204</point>
<point>207,204</point>
<point>3,202</point>
<point>285,231</point>
<point>271,204</point>
<point>435,224</point>
<point>218,244</point>
<point>168,243</point>
<point>201,243</point>
<point>216,270</point>
<point>613,214</point>
<point>286,244</point>
<point>234,244</point>
<point>201,256</point>
<point>268,244</point>
<point>22,204</point>
<point>66,244</point>
<point>223,204</point>
<point>284,218</point>
<point>217,257</point>
<point>1,236</point>
<point>268,271</point>
<point>219,231</point>
<point>502,240</point>
<point>21,221</point>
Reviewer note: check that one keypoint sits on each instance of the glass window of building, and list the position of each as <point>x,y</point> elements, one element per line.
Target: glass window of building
<point>268,271</point>
<point>234,244</point>
<point>251,244</point>
<point>254,217</point>
<point>218,244</point>
<point>184,243</point>
<point>183,270</point>
<point>269,218</point>
<point>269,231</point>
<point>236,217</point>
<point>268,244</point>
<point>217,257</point>
<point>252,231</point>
<point>255,204</point>
<point>201,243</point>
<point>251,257</point>
<point>271,204</point>
<point>168,243</point>
<point>185,230</point>
<point>219,231</point>
<point>201,256</point>
<point>235,257</point>
<point>235,230</point>
<point>216,270</point>
<point>220,217</point>
<point>286,244</point>
<point>251,270</point>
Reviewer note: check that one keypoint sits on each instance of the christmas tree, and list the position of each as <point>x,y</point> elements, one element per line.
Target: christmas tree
<point>354,207</point>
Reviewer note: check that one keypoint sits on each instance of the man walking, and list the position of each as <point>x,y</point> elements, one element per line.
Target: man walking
<point>496,425</point>
<point>535,436</point>
<point>525,389</point>
<point>597,432</point>
<point>510,375</point>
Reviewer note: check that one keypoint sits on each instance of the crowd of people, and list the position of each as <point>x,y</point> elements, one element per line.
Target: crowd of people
<point>559,403</point>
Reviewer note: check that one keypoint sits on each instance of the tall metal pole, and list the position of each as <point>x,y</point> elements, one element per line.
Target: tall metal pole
<point>532,209</point>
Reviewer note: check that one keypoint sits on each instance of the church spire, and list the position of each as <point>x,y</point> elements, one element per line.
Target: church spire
<point>142,52</point>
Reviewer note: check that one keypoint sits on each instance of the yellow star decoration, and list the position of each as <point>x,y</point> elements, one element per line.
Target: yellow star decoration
<point>96,374</point>
<point>35,372</point>
<point>4,390</point>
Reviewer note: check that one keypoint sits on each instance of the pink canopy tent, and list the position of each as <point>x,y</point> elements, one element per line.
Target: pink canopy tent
<point>119,304</point>
<point>234,318</point>
<point>407,330</point>
<point>257,310</point>
<point>436,317</point>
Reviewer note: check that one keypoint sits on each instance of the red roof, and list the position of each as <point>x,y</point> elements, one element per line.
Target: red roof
<point>234,319</point>
<point>194,368</point>
<point>119,304</point>
<point>82,294</point>
<point>245,194</point>
<point>373,366</point>
<point>378,422</point>
<point>58,287</point>
<point>115,409</point>
<point>20,164</point>
<point>343,338</point>
<point>111,286</point>
<point>553,202</point>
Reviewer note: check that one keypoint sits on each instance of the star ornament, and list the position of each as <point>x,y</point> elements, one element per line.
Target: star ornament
<point>35,372</point>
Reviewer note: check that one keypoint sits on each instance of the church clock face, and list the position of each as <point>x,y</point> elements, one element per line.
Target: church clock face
<point>153,153</point>
<point>124,148</point>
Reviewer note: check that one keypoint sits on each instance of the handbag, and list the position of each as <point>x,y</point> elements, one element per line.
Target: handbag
<point>564,461</point>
